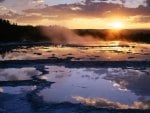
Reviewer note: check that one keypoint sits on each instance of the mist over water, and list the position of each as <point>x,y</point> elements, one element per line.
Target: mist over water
<point>62,35</point>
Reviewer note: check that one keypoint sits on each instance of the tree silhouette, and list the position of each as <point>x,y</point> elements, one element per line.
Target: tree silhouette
<point>12,32</point>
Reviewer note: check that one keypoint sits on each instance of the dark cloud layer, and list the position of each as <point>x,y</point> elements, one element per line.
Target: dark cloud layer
<point>85,9</point>
<point>148,3</point>
<point>89,9</point>
<point>2,0</point>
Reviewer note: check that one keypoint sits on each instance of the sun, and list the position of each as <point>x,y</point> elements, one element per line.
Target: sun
<point>117,25</point>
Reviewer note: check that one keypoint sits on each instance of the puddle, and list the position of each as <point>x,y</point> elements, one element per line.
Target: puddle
<point>77,81</point>
<point>98,86</point>
<point>116,88</point>
<point>103,51</point>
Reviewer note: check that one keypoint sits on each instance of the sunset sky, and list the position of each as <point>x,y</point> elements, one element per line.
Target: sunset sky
<point>82,14</point>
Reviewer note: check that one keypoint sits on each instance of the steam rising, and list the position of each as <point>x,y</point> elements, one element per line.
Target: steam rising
<point>62,35</point>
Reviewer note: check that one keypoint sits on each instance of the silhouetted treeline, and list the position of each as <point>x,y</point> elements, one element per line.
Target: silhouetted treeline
<point>13,32</point>
<point>17,33</point>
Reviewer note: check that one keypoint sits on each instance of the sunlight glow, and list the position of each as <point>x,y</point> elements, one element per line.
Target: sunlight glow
<point>117,25</point>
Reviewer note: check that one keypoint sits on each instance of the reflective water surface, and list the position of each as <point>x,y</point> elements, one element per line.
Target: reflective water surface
<point>37,85</point>
<point>99,87</point>
<point>114,50</point>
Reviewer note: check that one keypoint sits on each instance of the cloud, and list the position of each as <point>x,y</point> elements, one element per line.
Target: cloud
<point>136,81</point>
<point>100,103</point>
<point>1,90</point>
<point>141,19</point>
<point>2,0</point>
<point>7,13</point>
<point>5,10</point>
<point>88,9</point>
<point>105,103</point>
<point>148,3</point>
<point>72,10</point>
<point>38,1</point>
<point>12,74</point>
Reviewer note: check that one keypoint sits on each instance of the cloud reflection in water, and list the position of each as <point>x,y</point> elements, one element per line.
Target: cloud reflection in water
<point>18,74</point>
<point>105,103</point>
<point>105,87</point>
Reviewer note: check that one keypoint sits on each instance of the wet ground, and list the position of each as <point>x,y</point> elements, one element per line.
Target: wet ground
<point>112,77</point>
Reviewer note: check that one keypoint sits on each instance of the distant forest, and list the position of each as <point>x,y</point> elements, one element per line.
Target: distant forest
<point>18,33</point>
<point>13,32</point>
